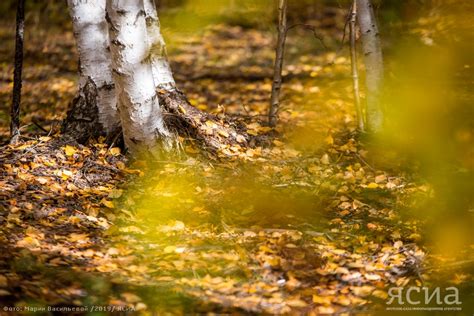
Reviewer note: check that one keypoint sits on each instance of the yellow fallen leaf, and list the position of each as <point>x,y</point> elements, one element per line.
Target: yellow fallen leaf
<point>329,140</point>
<point>372,185</point>
<point>371,226</point>
<point>321,299</point>
<point>45,138</point>
<point>296,303</point>
<point>169,249</point>
<point>28,242</point>
<point>223,133</point>
<point>372,277</point>
<point>415,237</point>
<point>115,151</point>
<point>240,139</point>
<point>66,174</point>
<point>182,110</point>
<point>4,293</point>
<point>380,178</point>
<point>115,193</point>
<point>107,203</point>
<point>3,281</point>
<point>278,143</point>
<point>69,150</point>
<point>130,297</point>
<point>211,124</point>
<point>77,237</point>
<point>325,159</point>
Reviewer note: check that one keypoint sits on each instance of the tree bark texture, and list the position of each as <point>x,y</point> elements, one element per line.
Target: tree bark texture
<point>142,120</point>
<point>373,59</point>
<point>96,85</point>
<point>355,72</point>
<point>152,110</point>
<point>17,81</point>
<point>157,49</point>
<point>279,56</point>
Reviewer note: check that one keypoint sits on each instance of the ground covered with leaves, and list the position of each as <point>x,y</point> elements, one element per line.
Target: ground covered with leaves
<point>302,219</point>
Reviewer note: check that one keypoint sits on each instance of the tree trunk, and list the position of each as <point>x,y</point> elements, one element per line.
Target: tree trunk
<point>280,52</point>
<point>373,59</point>
<point>94,110</point>
<point>157,49</point>
<point>136,76</point>
<point>15,107</point>
<point>355,72</point>
<point>142,120</point>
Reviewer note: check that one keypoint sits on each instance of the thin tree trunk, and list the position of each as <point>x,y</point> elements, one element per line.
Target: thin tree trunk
<point>373,59</point>
<point>157,49</point>
<point>280,52</point>
<point>142,120</point>
<point>17,82</point>
<point>355,72</point>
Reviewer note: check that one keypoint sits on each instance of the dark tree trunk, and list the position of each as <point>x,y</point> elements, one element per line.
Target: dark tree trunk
<point>15,107</point>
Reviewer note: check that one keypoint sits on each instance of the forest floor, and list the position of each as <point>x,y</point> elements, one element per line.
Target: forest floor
<point>303,220</point>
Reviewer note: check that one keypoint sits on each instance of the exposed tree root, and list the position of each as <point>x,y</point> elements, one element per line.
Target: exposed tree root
<point>214,135</point>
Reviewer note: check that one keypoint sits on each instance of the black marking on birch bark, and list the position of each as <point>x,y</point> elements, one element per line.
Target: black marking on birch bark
<point>82,119</point>
<point>139,14</point>
<point>118,43</point>
<point>111,24</point>
<point>117,72</point>
<point>107,86</point>
<point>135,141</point>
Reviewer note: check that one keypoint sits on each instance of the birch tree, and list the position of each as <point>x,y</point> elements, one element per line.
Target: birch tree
<point>142,120</point>
<point>354,69</point>
<point>162,74</point>
<point>373,59</point>
<point>94,110</point>
<point>130,86</point>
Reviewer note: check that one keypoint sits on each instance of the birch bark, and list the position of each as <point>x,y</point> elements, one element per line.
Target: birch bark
<point>373,59</point>
<point>354,68</point>
<point>142,120</point>
<point>162,74</point>
<point>94,110</point>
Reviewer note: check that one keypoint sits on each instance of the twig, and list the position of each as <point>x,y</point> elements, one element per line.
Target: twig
<point>312,28</point>
<point>37,124</point>
<point>365,163</point>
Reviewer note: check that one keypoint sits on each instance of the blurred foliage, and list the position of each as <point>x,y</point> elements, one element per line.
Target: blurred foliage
<point>371,209</point>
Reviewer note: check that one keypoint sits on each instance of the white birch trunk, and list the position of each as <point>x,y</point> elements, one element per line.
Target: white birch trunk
<point>142,119</point>
<point>157,49</point>
<point>373,59</point>
<point>92,37</point>
<point>354,68</point>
